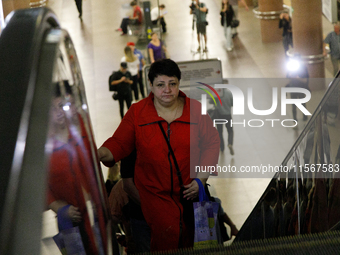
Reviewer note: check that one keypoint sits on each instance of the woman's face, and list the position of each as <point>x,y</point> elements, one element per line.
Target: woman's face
<point>58,115</point>
<point>165,89</point>
<point>154,36</point>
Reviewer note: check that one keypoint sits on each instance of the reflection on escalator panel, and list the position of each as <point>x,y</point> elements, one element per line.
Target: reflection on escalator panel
<point>73,186</point>
<point>86,147</point>
<point>68,188</point>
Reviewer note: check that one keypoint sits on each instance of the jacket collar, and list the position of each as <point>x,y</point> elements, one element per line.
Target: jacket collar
<point>148,113</point>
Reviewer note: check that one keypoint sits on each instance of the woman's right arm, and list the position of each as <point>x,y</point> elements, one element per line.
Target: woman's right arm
<point>72,212</point>
<point>56,205</point>
<point>122,142</point>
<point>152,59</point>
<point>105,155</point>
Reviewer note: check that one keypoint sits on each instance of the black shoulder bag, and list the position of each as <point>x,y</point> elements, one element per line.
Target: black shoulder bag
<point>188,208</point>
<point>111,79</point>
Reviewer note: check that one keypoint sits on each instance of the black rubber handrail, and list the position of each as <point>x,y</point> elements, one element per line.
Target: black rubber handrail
<point>20,48</point>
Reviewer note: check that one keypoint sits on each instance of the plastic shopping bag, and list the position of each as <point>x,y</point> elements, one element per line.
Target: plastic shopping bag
<point>69,242</point>
<point>68,239</point>
<point>205,213</point>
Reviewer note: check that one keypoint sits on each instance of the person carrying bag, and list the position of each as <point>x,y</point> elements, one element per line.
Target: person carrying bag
<point>228,22</point>
<point>121,82</point>
<point>202,213</point>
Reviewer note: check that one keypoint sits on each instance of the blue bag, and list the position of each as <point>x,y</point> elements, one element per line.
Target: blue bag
<point>205,213</point>
<point>68,239</point>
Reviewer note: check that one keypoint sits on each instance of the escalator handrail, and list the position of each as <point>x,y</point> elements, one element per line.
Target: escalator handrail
<point>18,73</point>
<point>332,86</point>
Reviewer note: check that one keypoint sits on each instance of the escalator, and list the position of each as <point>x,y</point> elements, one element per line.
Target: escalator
<point>48,155</point>
<point>304,199</point>
<point>299,212</point>
<point>46,138</point>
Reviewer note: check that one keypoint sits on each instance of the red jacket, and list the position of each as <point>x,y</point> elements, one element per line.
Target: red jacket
<point>71,175</point>
<point>66,181</point>
<point>195,142</point>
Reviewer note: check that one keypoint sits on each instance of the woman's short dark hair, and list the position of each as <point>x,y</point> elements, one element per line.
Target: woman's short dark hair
<point>166,67</point>
<point>67,87</point>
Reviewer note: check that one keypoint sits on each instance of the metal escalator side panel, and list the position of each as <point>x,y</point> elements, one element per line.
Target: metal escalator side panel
<point>76,76</point>
<point>93,171</point>
<point>20,47</point>
<point>313,162</point>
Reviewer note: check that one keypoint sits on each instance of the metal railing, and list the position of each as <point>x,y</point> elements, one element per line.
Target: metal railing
<point>268,15</point>
<point>309,59</point>
<point>36,4</point>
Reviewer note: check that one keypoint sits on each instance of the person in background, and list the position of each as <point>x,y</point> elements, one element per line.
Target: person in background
<point>156,48</point>
<point>227,17</point>
<point>157,14</point>
<point>200,11</point>
<point>224,218</point>
<point>140,56</point>
<point>118,201</point>
<point>287,36</point>
<point>123,79</point>
<point>166,109</point>
<point>79,4</point>
<point>133,67</point>
<point>136,18</point>
<point>224,112</point>
<point>112,177</point>
<point>333,39</point>
<point>234,5</point>
<point>140,230</point>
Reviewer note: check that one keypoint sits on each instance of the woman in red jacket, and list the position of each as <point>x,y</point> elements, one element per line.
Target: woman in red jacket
<point>193,139</point>
<point>72,183</point>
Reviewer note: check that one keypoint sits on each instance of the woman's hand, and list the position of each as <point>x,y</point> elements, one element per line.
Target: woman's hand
<point>234,230</point>
<point>74,214</point>
<point>104,154</point>
<point>191,191</point>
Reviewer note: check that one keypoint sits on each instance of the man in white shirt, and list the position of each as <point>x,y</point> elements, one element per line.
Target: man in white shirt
<point>158,13</point>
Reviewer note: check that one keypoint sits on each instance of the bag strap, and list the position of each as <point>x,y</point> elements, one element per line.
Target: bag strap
<point>202,196</point>
<point>178,172</point>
